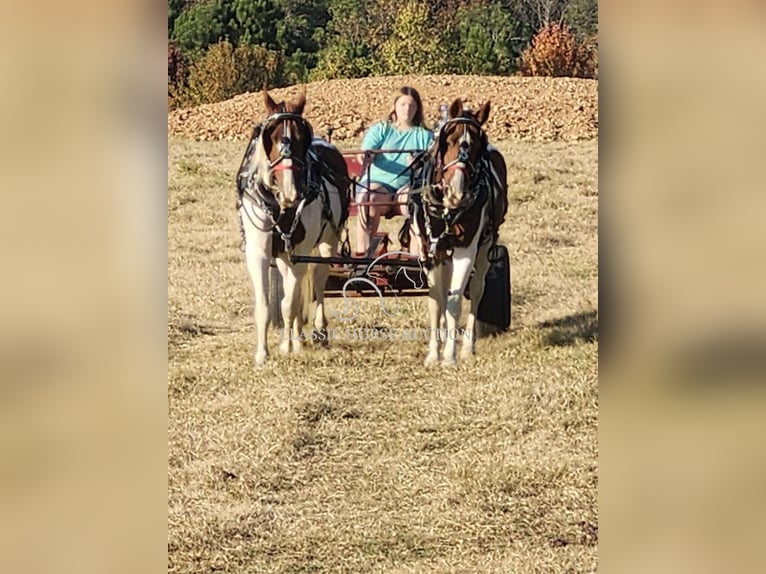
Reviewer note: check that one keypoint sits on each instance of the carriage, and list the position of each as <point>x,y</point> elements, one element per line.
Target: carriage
<point>384,269</point>
<point>294,202</point>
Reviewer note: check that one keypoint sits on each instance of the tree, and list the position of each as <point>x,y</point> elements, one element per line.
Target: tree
<point>177,69</point>
<point>213,78</point>
<point>350,45</point>
<point>177,73</point>
<point>250,21</point>
<point>546,12</point>
<point>256,67</point>
<point>582,17</point>
<point>302,24</point>
<point>175,7</point>
<point>414,44</point>
<point>486,36</point>
<point>555,51</point>
<point>226,70</point>
<point>197,27</point>
<point>300,40</point>
<point>300,33</point>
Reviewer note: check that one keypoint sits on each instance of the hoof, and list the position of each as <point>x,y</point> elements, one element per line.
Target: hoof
<point>319,338</point>
<point>467,354</point>
<point>449,361</point>
<point>431,359</point>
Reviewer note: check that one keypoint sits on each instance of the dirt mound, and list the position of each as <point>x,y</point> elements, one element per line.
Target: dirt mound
<point>532,109</point>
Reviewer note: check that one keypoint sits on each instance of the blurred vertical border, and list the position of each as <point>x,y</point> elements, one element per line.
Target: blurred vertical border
<point>683,352</point>
<point>83,444</point>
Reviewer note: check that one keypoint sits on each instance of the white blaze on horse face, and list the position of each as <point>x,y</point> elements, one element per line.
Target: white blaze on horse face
<point>288,193</point>
<point>456,186</point>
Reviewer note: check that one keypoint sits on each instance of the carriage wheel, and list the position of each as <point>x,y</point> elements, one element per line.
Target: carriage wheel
<point>484,330</point>
<point>494,313</point>
<point>276,292</point>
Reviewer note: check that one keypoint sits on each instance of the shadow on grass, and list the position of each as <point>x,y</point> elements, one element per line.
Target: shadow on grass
<point>571,329</point>
<point>182,330</point>
<point>728,359</point>
<point>194,329</point>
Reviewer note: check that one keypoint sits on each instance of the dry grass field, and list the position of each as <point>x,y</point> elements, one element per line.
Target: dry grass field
<point>358,458</point>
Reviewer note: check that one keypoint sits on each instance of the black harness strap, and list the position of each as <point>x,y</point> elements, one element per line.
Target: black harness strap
<point>441,224</point>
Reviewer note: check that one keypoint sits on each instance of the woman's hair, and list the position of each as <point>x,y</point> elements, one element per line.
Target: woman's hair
<point>408,91</point>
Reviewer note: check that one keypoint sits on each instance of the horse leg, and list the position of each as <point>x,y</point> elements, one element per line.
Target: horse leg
<point>298,328</point>
<point>290,305</point>
<point>476,290</point>
<point>258,268</point>
<point>462,261</point>
<point>300,270</point>
<point>436,302</point>
<point>321,272</point>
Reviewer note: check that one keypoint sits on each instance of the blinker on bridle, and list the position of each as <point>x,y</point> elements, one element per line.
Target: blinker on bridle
<point>284,148</point>
<point>462,154</point>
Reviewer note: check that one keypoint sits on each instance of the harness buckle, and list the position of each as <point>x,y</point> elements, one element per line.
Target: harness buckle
<point>432,248</point>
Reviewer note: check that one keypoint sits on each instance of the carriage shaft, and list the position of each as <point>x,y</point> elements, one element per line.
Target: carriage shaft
<point>410,263</point>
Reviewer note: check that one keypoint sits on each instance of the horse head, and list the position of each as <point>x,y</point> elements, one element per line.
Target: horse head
<point>282,158</point>
<point>462,144</point>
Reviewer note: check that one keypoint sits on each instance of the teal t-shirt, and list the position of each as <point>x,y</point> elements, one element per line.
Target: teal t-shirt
<point>387,167</point>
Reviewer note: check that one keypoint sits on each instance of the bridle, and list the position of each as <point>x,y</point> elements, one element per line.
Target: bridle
<point>463,160</point>
<point>285,144</point>
<point>476,187</point>
<point>263,193</point>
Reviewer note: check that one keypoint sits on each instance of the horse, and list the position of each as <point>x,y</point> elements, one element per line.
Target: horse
<point>455,220</point>
<point>293,196</point>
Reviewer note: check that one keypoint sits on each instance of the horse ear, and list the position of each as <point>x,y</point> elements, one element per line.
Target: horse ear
<point>268,101</point>
<point>299,103</point>
<point>483,113</point>
<point>456,108</point>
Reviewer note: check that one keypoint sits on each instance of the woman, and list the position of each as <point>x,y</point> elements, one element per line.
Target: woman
<point>389,177</point>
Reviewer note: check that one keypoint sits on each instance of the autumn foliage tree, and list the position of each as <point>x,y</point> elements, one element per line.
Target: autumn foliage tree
<point>177,73</point>
<point>218,48</point>
<point>554,51</point>
<point>177,68</point>
<point>226,70</point>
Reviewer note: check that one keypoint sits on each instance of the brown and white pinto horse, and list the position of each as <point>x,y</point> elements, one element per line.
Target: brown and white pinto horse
<point>455,222</point>
<point>293,197</point>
